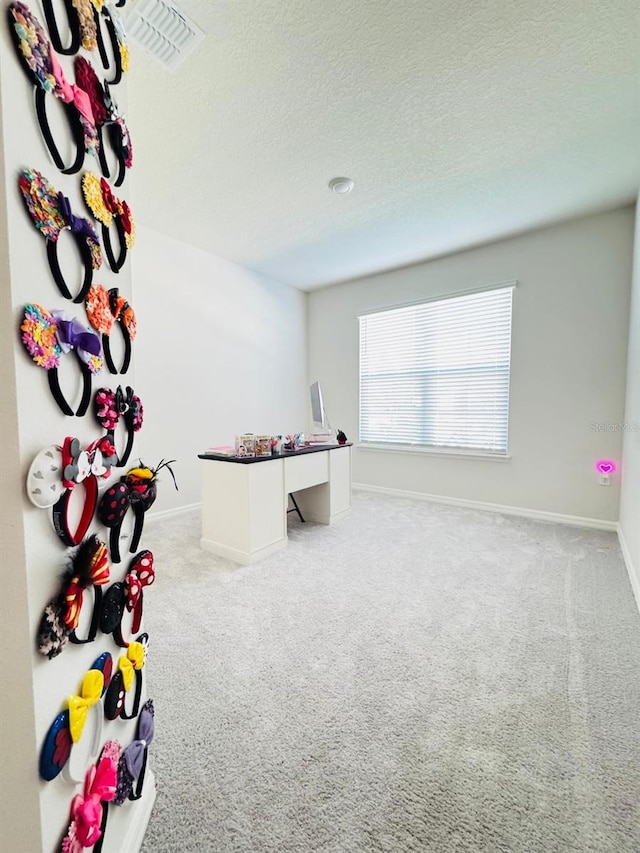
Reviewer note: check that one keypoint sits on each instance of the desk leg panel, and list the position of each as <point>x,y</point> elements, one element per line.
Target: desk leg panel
<point>242,509</point>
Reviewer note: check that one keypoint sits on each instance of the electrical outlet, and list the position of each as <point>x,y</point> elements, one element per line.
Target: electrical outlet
<point>604,480</point>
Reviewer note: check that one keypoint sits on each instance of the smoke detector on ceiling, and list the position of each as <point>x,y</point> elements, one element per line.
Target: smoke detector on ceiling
<point>162,30</point>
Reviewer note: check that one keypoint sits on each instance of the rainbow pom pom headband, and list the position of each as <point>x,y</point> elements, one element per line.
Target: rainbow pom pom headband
<point>47,336</point>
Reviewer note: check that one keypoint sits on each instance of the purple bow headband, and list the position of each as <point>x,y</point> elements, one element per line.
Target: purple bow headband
<point>133,760</point>
<point>77,224</point>
<point>47,336</point>
<point>51,213</point>
<point>72,335</point>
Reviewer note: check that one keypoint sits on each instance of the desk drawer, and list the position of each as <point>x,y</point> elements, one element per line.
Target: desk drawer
<point>301,472</point>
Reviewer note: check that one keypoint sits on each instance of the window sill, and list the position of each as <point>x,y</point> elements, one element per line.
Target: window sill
<point>435,451</point>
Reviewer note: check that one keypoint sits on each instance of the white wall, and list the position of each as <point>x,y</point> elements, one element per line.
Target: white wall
<point>570,321</point>
<point>630,489</point>
<point>34,813</point>
<point>220,350</point>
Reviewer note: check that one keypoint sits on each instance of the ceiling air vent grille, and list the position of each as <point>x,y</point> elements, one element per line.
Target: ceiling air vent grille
<point>161,29</point>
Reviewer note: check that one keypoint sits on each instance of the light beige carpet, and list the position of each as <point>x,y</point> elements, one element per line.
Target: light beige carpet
<point>416,678</point>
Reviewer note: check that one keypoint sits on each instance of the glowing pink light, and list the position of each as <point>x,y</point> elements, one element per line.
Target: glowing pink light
<point>606,466</point>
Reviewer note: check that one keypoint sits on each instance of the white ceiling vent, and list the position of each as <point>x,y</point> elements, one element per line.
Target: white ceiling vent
<point>162,30</point>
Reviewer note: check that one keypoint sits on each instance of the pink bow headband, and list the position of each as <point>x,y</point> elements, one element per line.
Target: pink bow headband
<point>41,63</point>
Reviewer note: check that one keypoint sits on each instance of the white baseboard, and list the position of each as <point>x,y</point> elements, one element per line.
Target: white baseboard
<point>634,574</point>
<point>138,827</point>
<point>168,513</point>
<point>127,824</point>
<point>242,557</point>
<point>537,514</point>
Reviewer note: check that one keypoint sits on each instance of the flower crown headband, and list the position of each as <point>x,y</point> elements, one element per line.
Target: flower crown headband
<point>47,336</point>
<point>106,308</point>
<point>107,209</point>
<point>41,64</point>
<point>51,213</point>
<point>106,115</point>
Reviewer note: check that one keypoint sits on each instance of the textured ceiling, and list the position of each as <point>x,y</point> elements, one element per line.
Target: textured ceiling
<point>459,123</point>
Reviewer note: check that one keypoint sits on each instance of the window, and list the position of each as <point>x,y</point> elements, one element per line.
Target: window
<point>437,374</point>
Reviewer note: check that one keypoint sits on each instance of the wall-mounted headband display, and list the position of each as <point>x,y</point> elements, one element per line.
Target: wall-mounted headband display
<point>57,470</point>
<point>51,213</point>
<point>136,490</point>
<point>129,671</point>
<point>109,209</point>
<point>47,336</point>
<point>114,407</point>
<point>89,810</point>
<point>42,66</point>
<point>107,118</point>
<point>106,308</point>
<point>133,759</point>
<point>68,726</point>
<point>87,568</point>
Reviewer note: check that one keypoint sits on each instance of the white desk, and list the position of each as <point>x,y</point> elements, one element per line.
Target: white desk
<point>244,501</point>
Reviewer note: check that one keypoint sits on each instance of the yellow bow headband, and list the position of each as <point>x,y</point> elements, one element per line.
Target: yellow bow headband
<point>90,693</point>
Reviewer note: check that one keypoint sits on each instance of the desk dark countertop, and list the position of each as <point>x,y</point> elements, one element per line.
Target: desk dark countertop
<point>286,454</point>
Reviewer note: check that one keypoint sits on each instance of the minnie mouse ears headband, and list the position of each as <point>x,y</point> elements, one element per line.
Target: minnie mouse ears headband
<point>129,671</point>
<point>104,309</point>
<point>56,471</point>
<point>68,726</point>
<point>138,490</point>
<point>106,115</point>
<point>47,336</point>
<point>41,64</point>
<point>89,567</point>
<point>127,596</point>
<point>111,407</point>
<point>51,213</point>
<point>107,209</point>
<point>133,759</point>
<point>89,810</point>
<point>109,609</point>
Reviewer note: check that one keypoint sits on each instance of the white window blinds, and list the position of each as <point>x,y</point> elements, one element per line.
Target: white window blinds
<point>437,374</point>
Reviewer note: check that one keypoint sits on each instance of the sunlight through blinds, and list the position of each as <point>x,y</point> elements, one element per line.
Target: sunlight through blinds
<point>437,374</point>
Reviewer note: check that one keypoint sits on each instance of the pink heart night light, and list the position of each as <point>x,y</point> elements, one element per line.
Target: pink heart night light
<point>605,466</point>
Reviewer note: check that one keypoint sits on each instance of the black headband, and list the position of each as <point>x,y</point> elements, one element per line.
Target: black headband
<point>112,407</point>
<point>47,336</point>
<point>137,491</point>
<point>107,118</point>
<point>106,309</point>
<point>114,699</point>
<point>73,22</point>
<point>41,65</point>
<point>75,128</point>
<point>116,40</point>
<point>52,215</point>
<point>88,567</point>
<point>109,210</point>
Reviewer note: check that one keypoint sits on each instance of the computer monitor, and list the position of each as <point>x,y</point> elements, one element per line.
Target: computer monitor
<point>318,414</point>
